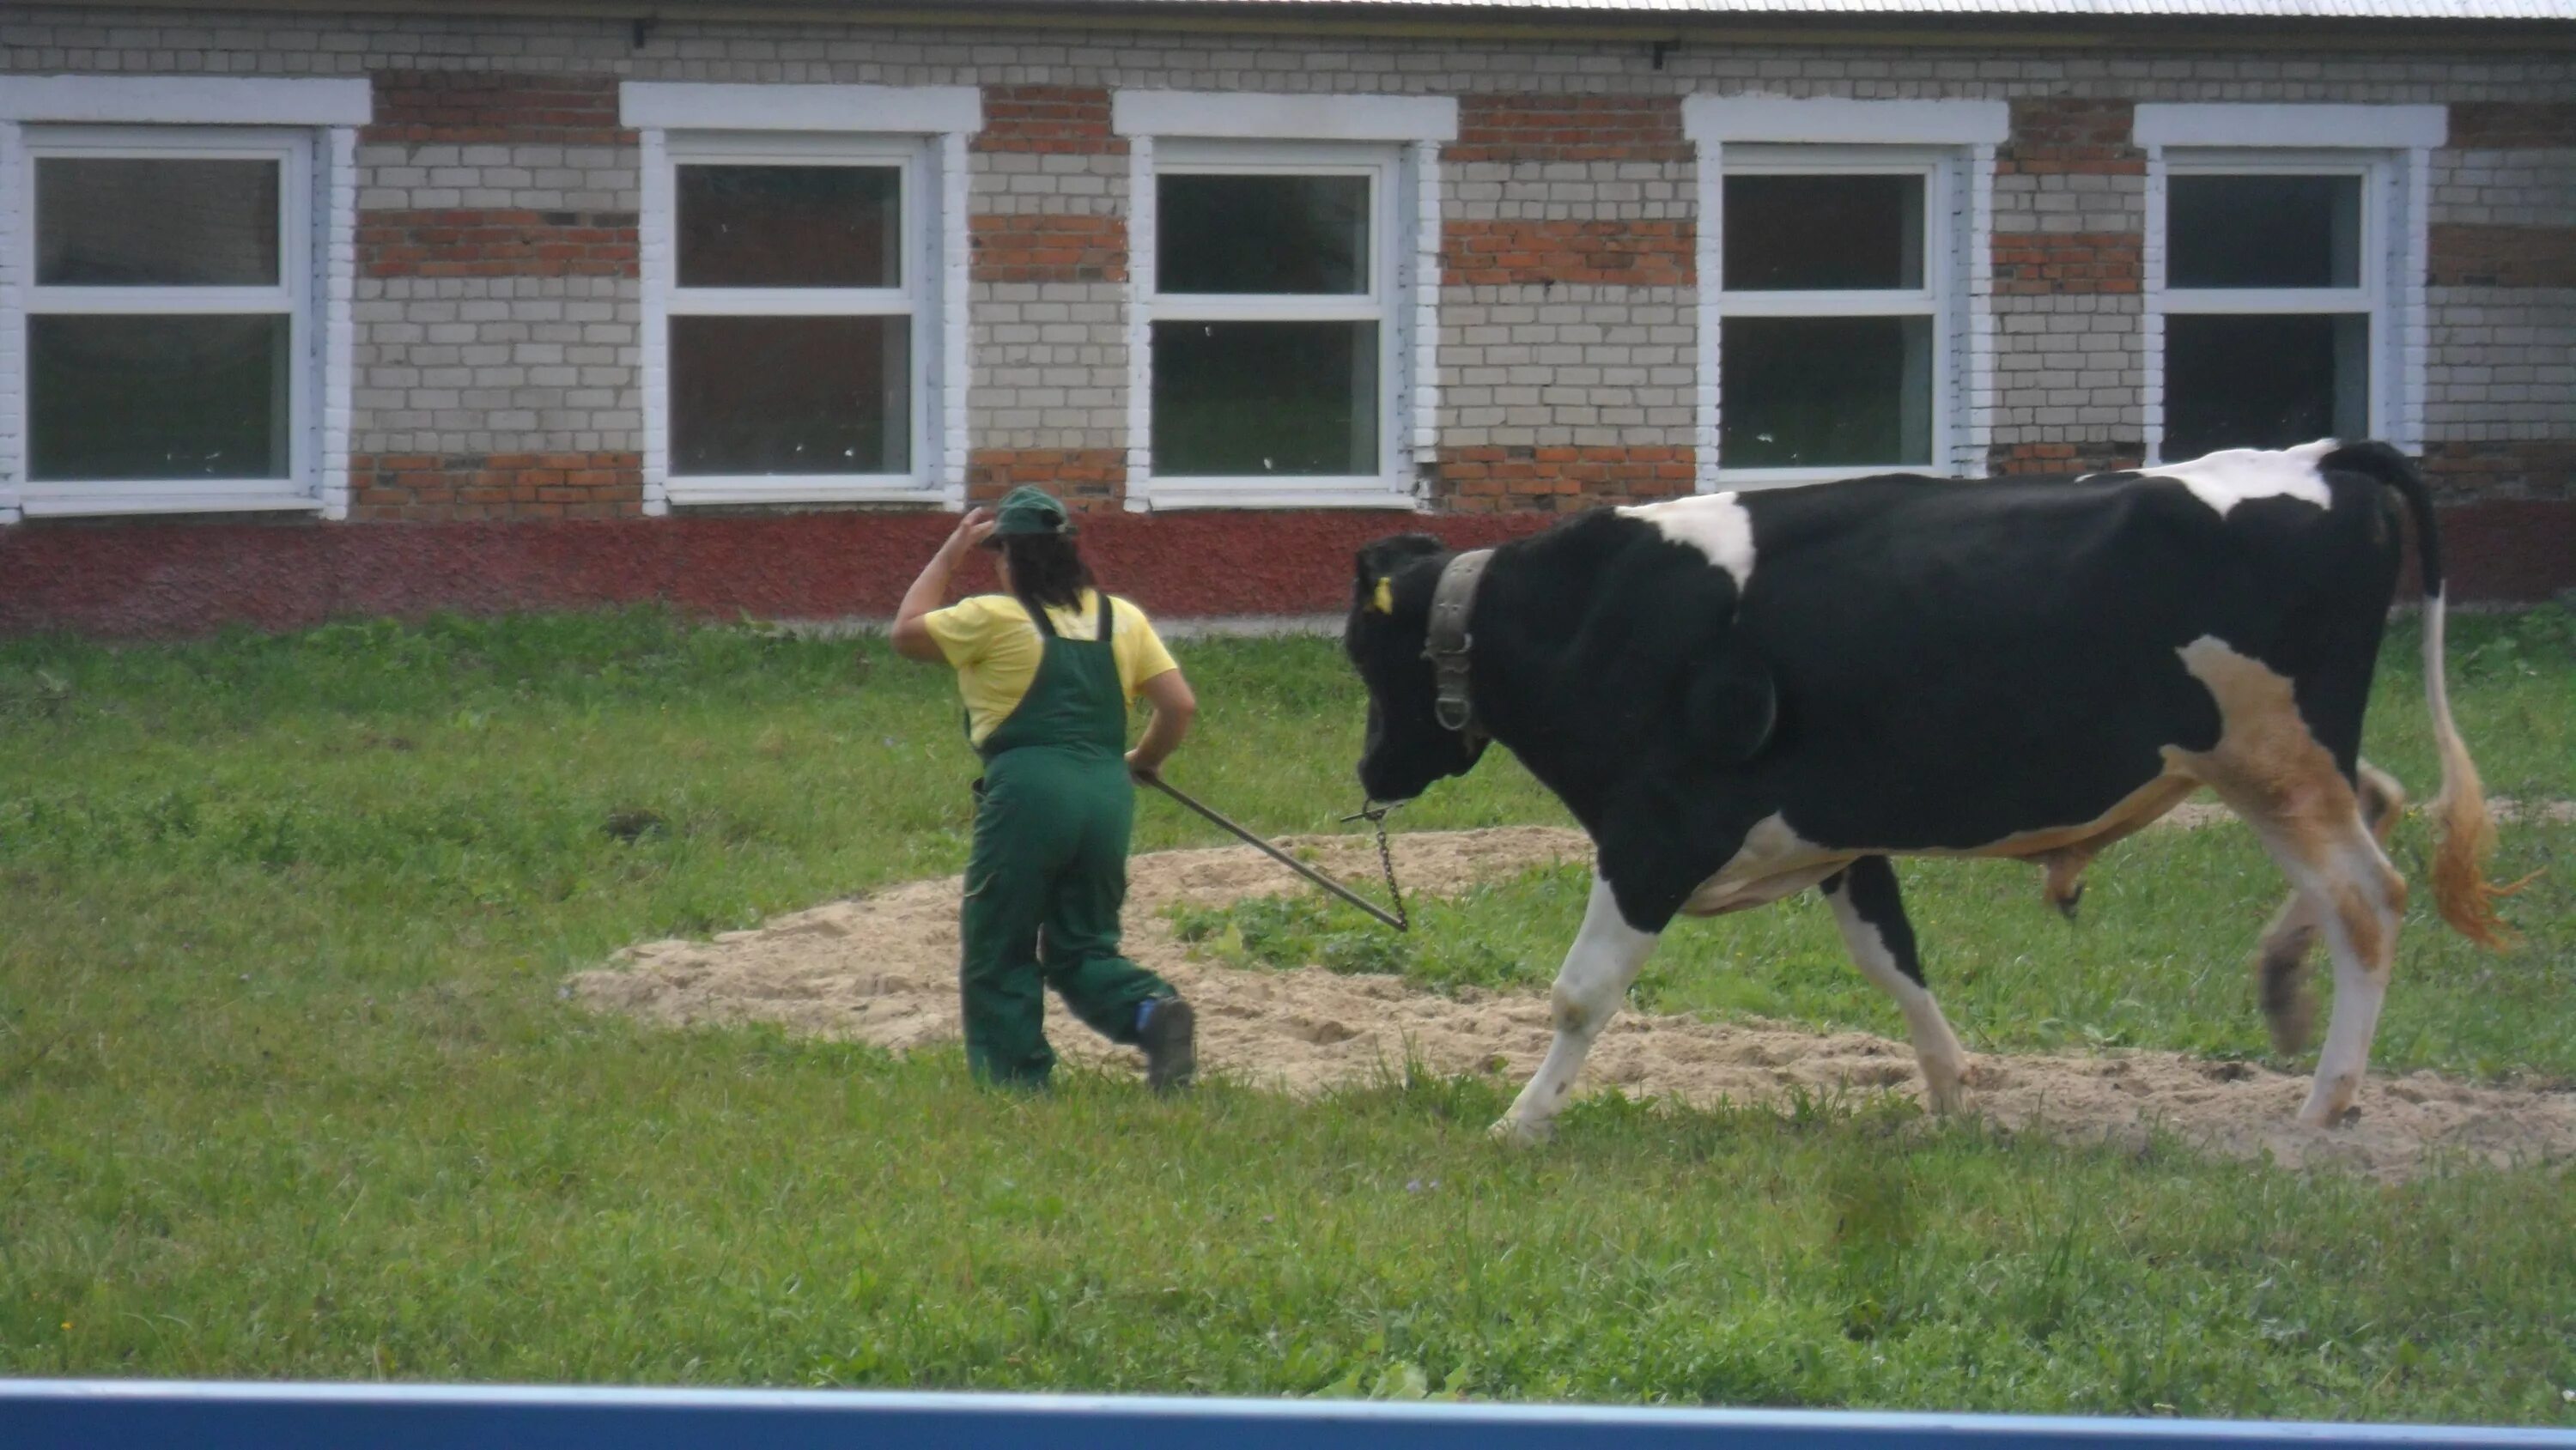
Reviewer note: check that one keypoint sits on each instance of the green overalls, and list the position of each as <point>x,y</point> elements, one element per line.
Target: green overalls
<point>1049,867</point>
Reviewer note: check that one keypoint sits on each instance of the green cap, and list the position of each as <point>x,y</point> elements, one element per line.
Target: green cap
<point>1029,509</point>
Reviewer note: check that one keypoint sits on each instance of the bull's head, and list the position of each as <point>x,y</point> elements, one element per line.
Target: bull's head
<point>1407,748</point>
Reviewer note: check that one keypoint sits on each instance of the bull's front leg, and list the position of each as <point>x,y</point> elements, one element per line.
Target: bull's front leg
<point>1604,959</point>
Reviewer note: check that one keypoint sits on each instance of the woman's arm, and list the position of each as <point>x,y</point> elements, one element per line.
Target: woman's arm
<point>1174,707</point>
<point>911,634</point>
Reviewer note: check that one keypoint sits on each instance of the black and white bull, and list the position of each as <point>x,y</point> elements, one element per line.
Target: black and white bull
<point>1741,696</point>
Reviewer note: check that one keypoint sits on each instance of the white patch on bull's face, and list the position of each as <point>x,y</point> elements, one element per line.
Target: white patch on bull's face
<point>1713,523</point>
<point>2231,476</point>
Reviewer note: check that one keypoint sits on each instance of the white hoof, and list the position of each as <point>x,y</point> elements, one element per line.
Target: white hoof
<point>1516,1133</point>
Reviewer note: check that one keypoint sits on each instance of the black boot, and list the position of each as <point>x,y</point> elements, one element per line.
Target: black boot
<point>1170,1040</point>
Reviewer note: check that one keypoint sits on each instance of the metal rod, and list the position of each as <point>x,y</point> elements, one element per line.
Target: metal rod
<point>1282,857</point>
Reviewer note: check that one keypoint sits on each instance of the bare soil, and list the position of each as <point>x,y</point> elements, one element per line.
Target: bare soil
<point>882,969</point>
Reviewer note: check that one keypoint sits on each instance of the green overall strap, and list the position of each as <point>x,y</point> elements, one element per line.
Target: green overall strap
<point>1076,701</point>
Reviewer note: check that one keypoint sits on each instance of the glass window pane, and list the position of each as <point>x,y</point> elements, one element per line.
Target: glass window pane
<point>794,395</point>
<point>1823,233</point>
<point>1301,234</point>
<point>134,222</point>
<point>119,398</point>
<point>2263,231</point>
<point>791,226</point>
<point>1816,392</point>
<point>1253,398</point>
<point>2264,382</point>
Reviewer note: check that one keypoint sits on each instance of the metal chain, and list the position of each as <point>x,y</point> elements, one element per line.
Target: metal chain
<point>1376,815</point>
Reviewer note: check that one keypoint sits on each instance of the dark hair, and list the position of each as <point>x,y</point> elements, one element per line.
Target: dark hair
<point>1046,569</point>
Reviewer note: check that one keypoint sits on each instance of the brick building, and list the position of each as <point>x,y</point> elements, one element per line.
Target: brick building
<point>307,310</point>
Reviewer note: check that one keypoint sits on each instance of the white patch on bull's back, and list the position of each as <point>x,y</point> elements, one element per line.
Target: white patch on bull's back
<point>2231,476</point>
<point>1716,524</point>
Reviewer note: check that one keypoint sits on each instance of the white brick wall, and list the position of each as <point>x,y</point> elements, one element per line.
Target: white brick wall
<point>557,364</point>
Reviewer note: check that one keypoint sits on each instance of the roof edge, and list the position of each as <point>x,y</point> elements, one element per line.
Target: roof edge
<point>1660,29</point>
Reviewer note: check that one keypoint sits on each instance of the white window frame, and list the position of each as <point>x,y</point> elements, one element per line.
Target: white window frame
<point>914,299</point>
<point>1929,300</point>
<point>1396,139</point>
<point>312,126</point>
<point>2389,148</point>
<point>920,129</point>
<point>1951,143</point>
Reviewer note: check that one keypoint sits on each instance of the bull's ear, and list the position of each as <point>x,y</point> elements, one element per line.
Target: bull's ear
<point>1733,705</point>
<point>1381,562</point>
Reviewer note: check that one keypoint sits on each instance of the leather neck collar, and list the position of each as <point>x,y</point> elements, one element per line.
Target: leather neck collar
<point>1447,641</point>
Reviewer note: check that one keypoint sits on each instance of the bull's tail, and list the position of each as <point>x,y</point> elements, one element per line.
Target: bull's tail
<point>2461,891</point>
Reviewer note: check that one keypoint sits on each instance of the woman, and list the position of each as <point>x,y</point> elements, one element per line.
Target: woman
<point>1048,668</point>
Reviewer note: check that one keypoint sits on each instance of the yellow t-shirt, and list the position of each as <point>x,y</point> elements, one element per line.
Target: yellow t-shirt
<point>995,650</point>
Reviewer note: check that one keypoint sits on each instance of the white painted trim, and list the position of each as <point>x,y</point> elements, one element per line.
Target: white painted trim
<point>186,100</point>
<point>2151,320</point>
<point>948,401</point>
<point>1140,324</point>
<point>729,106</point>
<point>699,490</point>
<point>1422,328</point>
<point>1258,116</point>
<point>2377,128</point>
<point>14,219</point>
<point>2410,320</point>
<point>1710,256</point>
<point>44,502</point>
<point>1974,392</point>
<point>1842,121</point>
<point>1263,493</point>
<point>335,327</point>
<point>657,267</point>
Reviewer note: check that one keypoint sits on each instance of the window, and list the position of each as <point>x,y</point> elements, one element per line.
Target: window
<point>2284,244</point>
<point>169,350</point>
<point>1831,334</point>
<point>1840,329</point>
<point>2269,303</point>
<point>1284,273</point>
<point>804,318</point>
<point>1270,335</point>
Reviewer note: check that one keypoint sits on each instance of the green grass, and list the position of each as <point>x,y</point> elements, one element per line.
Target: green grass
<point>288,1086</point>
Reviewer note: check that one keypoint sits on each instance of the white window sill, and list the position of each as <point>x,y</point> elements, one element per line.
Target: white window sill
<point>702,492</point>
<point>1792,477</point>
<point>69,501</point>
<point>1265,493</point>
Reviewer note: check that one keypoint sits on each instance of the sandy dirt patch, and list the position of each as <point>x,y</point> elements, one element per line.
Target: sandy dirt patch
<point>882,969</point>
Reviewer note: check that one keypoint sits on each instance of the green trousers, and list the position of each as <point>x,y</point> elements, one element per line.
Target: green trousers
<point>1043,887</point>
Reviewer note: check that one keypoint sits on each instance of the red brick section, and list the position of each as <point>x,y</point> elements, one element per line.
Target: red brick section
<point>420,487</point>
<point>2087,457</point>
<point>2532,469</point>
<point>1041,247</point>
<point>1049,119</point>
<point>2503,124</point>
<point>137,580</point>
<point>2065,137</point>
<point>2068,262</point>
<point>1559,479</point>
<point>1568,128</point>
<point>1087,479</point>
<point>456,107</point>
<point>2464,255</point>
<point>497,242</point>
<point>1639,253</point>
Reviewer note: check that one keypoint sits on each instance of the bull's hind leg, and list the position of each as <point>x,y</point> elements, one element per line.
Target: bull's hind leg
<point>1606,956</point>
<point>1871,914</point>
<point>2281,962</point>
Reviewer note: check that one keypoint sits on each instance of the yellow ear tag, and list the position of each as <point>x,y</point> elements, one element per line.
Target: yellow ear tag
<point>1384,600</point>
